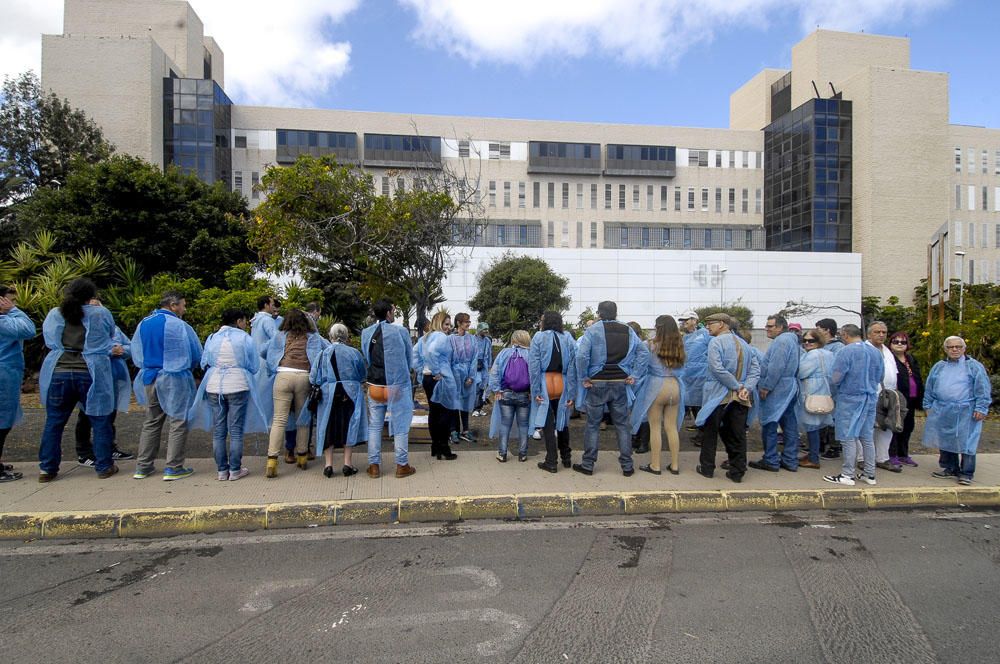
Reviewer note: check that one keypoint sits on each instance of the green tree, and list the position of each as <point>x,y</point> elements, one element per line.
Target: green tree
<point>41,135</point>
<point>742,314</point>
<point>514,292</point>
<point>164,221</point>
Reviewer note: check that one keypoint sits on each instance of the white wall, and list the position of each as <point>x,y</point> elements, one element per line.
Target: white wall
<point>648,283</point>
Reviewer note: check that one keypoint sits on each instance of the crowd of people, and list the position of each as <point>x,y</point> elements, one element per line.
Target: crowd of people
<point>852,394</point>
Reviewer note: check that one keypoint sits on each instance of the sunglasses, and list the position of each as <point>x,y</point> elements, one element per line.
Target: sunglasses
<point>898,342</point>
<point>808,340</point>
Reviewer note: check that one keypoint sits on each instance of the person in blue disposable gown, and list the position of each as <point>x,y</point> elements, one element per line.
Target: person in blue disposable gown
<point>815,367</point>
<point>727,402</point>
<point>610,359</point>
<point>15,328</point>
<point>483,364</point>
<point>778,389</point>
<point>465,351</point>
<point>165,349</point>
<point>388,356</point>
<point>660,395</point>
<point>511,403</point>
<point>341,421</point>
<point>263,325</point>
<point>80,339</point>
<point>432,362</point>
<point>695,366</point>
<point>957,400</point>
<point>226,403</point>
<point>553,351</point>
<point>857,372</point>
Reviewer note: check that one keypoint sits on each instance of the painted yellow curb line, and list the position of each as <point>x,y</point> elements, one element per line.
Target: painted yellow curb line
<point>177,521</point>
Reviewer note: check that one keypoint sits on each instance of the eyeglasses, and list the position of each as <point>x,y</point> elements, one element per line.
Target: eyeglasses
<point>954,347</point>
<point>768,327</point>
<point>807,340</point>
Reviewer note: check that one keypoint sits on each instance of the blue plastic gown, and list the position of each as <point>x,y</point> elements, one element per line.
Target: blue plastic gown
<point>496,376</point>
<point>99,328</point>
<point>398,351</point>
<point>650,386</point>
<point>465,350</point>
<point>181,352</point>
<point>351,366</point>
<point>119,371</point>
<point>15,328</point>
<point>834,346</point>
<point>857,372</point>
<point>695,365</point>
<point>779,375</point>
<point>437,357</point>
<point>486,358</point>
<point>592,353</point>
<point>263,327</point>
<point>952,393</point>
<point>815,368</point>
<point>248,363</point>
<point>539,356</point>
<point>722,372</point>
<point>265,378</point>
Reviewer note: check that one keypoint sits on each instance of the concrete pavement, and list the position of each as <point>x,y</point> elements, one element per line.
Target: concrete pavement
<point>475,486</point>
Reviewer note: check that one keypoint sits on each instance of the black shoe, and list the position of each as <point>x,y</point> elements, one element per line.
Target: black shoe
<point>328,471</point>
<point>831,454</point>
<point>628,473</point>
<point>760,465</point>
<point>724,465</point>
<point>547,468</point>
<point>121,455</point>
<point>567,463</point>
<point>349,470</point>
<point>642,449</point>
<point>785,466</point>
<point>522,457</point>
<point>649,469</point>
<point>86,462</point>
<point>710,474</point>
<point>580,469</point>
<point>450,456</point>
<point>10,475</point>
<point>734,476</point>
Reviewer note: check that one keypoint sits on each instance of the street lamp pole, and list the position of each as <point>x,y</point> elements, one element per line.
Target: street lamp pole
<point>722,285</point>
<point>961,289</point>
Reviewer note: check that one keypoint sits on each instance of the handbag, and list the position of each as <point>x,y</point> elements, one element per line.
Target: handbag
<point>819,404</point>
<point>315,396</point>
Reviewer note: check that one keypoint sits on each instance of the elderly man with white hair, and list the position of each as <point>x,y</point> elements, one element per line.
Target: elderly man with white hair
<point>956,399</point>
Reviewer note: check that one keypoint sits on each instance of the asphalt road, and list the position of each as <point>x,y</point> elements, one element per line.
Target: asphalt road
<point>818,587</point>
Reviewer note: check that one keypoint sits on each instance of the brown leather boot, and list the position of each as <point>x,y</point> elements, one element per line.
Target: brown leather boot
<point>405,471</point>
<point>289,456</point>
<point>373,471</point>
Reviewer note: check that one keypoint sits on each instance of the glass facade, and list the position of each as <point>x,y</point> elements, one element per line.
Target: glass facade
<point>807,178</point>
<point>649,160</point>
<point>197,122</point>
<point>291,143</point>
<point>552,157</point>
<point>399,151</point>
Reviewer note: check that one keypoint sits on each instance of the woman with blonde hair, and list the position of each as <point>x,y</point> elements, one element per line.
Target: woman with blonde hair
<point>438,383</point>
<point>661,393</point>
<point>511,380</point>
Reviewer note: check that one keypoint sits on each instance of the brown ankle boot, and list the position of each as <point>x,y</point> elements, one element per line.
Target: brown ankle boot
<point>373,471</point>
<point>405,471</point>
<point>272,467</point>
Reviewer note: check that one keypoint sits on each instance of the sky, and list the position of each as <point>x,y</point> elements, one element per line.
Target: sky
<point>666,62</point>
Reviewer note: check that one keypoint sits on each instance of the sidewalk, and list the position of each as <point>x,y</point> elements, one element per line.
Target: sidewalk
<point>475,486</point>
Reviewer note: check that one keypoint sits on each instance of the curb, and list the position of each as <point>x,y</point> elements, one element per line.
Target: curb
<point>182,521</point>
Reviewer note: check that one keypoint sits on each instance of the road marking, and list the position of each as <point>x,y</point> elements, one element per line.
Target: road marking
<point>513,624</point>
<point>489,584</point>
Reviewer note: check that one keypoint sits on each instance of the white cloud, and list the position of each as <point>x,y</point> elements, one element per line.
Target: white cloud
<point>24,22</point>
<point>634,31</point>
<point>276,52</point>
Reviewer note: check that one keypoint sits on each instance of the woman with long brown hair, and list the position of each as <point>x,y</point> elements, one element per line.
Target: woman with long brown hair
<point>661,394</point>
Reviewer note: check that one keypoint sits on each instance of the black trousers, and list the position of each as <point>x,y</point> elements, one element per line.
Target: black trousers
<point>460,420</point>
<point>827,439</point>
<point>84,446</point>
<point>729,421</point>
<point>3,439</point>
<point>439,420</point>
<point>555,441</point>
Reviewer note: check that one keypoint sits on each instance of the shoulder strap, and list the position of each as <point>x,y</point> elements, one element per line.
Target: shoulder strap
<point>739,356</point>
<point>333,362</point>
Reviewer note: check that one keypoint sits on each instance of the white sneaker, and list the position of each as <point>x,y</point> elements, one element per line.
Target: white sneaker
<point>235,475</point>
<point>867,479</point>
<point>477,413</point>
<point>839,479</point>
<point>537,435</point>
<point>223,475</point>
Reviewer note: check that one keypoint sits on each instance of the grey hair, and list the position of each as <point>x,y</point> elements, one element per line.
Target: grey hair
<point>873,324</point>
<point>945,344</point>
<point>339,332</point>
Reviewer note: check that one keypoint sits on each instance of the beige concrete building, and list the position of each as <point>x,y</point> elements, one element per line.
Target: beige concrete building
<point>848,151</point>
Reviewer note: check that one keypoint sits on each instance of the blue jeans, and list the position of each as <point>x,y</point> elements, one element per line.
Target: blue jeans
<point>67,389</point>
<point>813,437</point>
<point>790,430</point>
<point>514,404</point>
<point>850,452</point>
<point>376,418</point>
<point>615,397</point>
<point>228,415</point>
<point>963,465</point>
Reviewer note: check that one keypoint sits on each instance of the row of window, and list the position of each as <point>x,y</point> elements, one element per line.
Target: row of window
<point>624,236</point>
<point>983,165</point>
<point>969,193</point>
<point>978,272</point>
<point>971,239</point>
<point>641,198</point>
<point>254,181</point>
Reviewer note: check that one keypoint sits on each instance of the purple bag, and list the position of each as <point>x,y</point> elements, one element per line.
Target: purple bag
<point>515,374</point>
